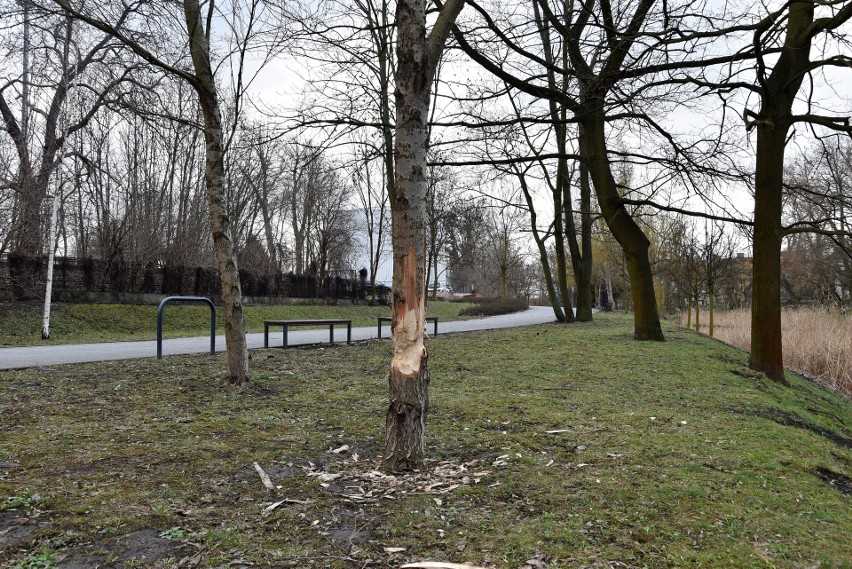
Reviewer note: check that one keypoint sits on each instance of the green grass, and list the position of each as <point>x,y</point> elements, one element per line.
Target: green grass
<point>81,323</point>
<point>661,455</point>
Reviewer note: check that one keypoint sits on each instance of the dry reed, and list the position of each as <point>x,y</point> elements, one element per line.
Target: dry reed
<point>817,343</point>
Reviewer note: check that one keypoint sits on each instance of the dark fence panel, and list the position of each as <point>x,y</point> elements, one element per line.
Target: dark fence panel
<point>23,278</point>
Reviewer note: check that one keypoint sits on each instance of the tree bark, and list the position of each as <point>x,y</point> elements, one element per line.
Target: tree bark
<point>697,312</point>
<point>779,92</point>
<point>214,178</point>
<point>766,351</point>
<point>712,309</point>
<point>409,374</point>
<point>581,254</point>
<point>626,231</point>
<point>417,59</point>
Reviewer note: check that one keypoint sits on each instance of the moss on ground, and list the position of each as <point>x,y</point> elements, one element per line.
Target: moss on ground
<point>572,446</point>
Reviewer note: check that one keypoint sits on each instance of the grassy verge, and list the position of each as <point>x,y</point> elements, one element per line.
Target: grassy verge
<point>551,447</point>
<point>79,323</point>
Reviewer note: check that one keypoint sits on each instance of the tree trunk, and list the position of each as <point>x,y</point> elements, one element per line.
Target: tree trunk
<point>766,352</point>
<point>773,123</point>
<point>563,222</point>
<point>697,312</point>
<point>417,60</point>
<point>634,243</point>
<point>409,374</point>
<point>214,177</point>
<point>559,245</point>
<point>542,250</point>
<point>581,260</point>
<point>609,293</point>
<point>712,307</point>
<point>51,252</point>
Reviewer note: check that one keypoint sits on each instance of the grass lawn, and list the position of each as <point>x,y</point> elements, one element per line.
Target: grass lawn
<point>81,323</point>
<point>552,446</point>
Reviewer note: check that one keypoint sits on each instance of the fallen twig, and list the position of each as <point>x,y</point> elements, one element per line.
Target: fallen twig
<point>264,477</point>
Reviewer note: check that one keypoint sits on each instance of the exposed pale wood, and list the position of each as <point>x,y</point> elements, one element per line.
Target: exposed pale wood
<point>264,477</point>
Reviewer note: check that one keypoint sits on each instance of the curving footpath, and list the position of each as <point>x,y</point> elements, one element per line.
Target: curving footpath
<point>34,356</point>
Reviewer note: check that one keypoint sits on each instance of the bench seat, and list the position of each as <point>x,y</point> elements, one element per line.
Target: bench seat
<point>286,324</point>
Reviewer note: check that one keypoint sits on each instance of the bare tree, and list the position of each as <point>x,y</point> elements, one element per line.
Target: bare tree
<point>417,61</point>
<point>251,24</point>
<point>717,257</point>
<point>369,180</point>
<point>503,261</point>
<point>783,42</point>
<point>58,55</point>
<point>817,267</point>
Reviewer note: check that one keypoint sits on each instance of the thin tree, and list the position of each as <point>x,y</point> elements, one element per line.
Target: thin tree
<point>197,31</point>
<point>417,61</point>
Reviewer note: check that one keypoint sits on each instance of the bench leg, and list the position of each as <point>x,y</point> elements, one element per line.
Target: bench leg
<point>349,333</point>
<point>436,327</point>
<point>380,330</point>
<point>331,333</point>
<point>266,335</point>
<point>284,345</point>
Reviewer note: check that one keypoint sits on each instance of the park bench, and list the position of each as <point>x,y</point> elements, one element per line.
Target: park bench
<point>388,320</point>
<point>286,324</point>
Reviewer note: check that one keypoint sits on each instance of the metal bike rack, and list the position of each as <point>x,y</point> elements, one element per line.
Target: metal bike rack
<point>201,299</point>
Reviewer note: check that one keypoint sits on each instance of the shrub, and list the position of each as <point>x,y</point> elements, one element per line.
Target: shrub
<point>494,306</point>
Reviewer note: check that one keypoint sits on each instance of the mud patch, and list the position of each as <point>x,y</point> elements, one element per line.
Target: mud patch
<point>835,480</point>
<point>347,528</point>
<point>140,548</point>
<point>17,529</point>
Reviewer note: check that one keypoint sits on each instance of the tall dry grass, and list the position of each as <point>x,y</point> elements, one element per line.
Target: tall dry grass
<point>816,343</point>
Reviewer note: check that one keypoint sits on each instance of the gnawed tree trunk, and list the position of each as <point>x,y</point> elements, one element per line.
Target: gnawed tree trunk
<point>214,178</point>
<point>417,60</point>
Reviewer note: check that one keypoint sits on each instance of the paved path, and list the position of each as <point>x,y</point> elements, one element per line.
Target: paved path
<point>33,356</point>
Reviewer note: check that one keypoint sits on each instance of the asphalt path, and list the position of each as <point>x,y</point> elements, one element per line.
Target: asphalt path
<point>34,356</point>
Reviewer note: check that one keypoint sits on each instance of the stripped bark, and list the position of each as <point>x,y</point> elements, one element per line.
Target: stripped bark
<point>417,61</point>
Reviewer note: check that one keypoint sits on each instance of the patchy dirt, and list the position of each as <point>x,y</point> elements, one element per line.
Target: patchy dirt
<point>835,479</point>
<point>17,529</point>
<point>142,548</point>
